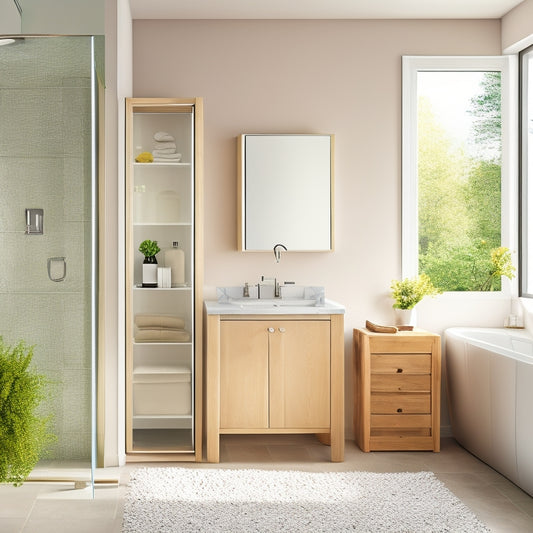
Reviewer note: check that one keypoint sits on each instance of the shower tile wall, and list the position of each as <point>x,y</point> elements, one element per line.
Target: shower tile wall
<point>45,142</point>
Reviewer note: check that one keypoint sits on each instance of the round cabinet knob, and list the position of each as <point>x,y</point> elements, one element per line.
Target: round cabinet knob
<point>282,330</point>
<point>399,410</point>
<point>271,330</point>
<point>399,371</point>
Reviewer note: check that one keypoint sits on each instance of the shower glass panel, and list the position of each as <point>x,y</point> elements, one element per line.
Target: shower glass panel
<point>48,234</point>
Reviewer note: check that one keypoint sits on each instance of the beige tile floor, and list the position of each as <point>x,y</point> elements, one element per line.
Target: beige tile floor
<point>45,507</point>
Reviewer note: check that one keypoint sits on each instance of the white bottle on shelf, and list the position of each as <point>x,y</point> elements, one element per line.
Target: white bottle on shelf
<point>175,259</point>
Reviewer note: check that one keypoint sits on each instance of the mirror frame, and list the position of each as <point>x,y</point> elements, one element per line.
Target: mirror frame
<point>241,191</point>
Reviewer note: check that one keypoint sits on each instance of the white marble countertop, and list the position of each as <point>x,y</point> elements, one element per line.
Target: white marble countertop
<point>213,307</point>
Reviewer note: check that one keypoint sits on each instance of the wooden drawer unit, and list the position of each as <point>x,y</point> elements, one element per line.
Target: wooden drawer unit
<point>397,390</point>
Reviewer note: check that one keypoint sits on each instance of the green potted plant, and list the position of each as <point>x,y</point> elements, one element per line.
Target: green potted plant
<point>407,293</point>
<point>149,249</point>
<point>24,436</point>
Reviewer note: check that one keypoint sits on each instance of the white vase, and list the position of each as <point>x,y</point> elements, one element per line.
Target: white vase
<point>405,317</point>
<point>175,259</point>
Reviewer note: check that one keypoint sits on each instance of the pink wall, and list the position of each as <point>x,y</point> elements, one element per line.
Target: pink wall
<point>341,77</point>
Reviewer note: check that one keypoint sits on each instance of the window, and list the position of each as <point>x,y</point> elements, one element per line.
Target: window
<point>455,190</point>
<point>526,171</point>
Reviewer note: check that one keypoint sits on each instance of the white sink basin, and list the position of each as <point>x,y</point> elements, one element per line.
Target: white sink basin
<point>272,302</point>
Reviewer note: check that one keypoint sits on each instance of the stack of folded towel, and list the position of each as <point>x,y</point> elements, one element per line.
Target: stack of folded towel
<point>160,328</point>
<point>165,148</point>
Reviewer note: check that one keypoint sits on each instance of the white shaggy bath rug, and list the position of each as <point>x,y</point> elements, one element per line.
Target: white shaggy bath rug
<point>184,500</point>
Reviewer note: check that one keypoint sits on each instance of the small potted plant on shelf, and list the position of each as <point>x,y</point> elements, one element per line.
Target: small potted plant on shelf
<point>24,435</point>
<point>407,293</point>
<point>149,249</point>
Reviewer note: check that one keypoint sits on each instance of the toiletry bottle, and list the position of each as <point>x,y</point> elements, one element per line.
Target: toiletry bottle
<point>175,259</point>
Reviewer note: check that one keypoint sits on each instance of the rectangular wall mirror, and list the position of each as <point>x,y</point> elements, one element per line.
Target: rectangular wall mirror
<point>285,192</point>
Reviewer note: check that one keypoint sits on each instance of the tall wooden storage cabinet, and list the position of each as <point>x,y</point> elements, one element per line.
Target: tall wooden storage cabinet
<point>164,323</point>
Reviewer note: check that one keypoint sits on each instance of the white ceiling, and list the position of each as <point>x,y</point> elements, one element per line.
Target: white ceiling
<point>320,9</point>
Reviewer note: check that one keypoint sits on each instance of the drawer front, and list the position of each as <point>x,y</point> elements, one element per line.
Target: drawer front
<point>400,421</point>
<point>400,363</point>
<point>400,383</point>
<point>383,403</point>
<point>401,344</point>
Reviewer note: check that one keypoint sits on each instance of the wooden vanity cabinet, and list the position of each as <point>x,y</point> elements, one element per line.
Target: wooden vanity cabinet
<point>397,390</point>
<point>275,374</point>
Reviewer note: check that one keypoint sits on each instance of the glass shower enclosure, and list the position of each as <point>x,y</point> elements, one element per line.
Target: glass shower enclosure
<point>48,231</point>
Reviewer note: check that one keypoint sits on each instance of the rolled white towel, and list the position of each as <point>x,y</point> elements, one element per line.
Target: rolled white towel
<point>164,145</point>
<point>163,136</point>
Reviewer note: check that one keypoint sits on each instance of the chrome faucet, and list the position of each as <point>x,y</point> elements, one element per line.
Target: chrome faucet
<point>277,252</point>
<point>277,292</point>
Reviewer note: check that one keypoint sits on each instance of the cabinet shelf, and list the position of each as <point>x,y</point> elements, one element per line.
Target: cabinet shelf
<point>161,417</point>
<point>162,343</point>
<point>160,164</point>
<point>139,288</point>
<point>186,224</point>
<point>160,369</point>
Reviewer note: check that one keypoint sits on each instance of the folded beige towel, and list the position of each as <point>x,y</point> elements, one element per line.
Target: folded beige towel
<point>161,335</point>
<point>159,321</point>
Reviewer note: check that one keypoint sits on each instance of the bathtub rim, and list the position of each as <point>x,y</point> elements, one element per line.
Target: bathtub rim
<point>461,333</point>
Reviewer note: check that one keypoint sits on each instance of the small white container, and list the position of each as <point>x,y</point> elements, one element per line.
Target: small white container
<point>161,391</point>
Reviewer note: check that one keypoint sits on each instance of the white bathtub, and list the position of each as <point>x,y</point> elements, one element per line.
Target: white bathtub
<point>490,397</point>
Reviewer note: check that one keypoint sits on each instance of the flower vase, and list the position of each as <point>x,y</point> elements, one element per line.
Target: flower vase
<point>150,272</point>
<point>405,317</point>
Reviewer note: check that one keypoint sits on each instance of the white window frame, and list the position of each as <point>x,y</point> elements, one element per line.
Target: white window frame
<point>526,78</point>
<point>507,65</point>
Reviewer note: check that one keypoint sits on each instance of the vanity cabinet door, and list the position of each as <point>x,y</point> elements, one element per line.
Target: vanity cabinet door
<point>243,375</point>
<point>300,374</point>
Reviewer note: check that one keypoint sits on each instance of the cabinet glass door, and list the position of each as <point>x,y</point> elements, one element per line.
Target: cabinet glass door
<point>161,320</point>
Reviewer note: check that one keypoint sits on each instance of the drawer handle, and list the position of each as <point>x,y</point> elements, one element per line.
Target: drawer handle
<point>399,410</point>
<point>399,370</point>
<point>271,330</point>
